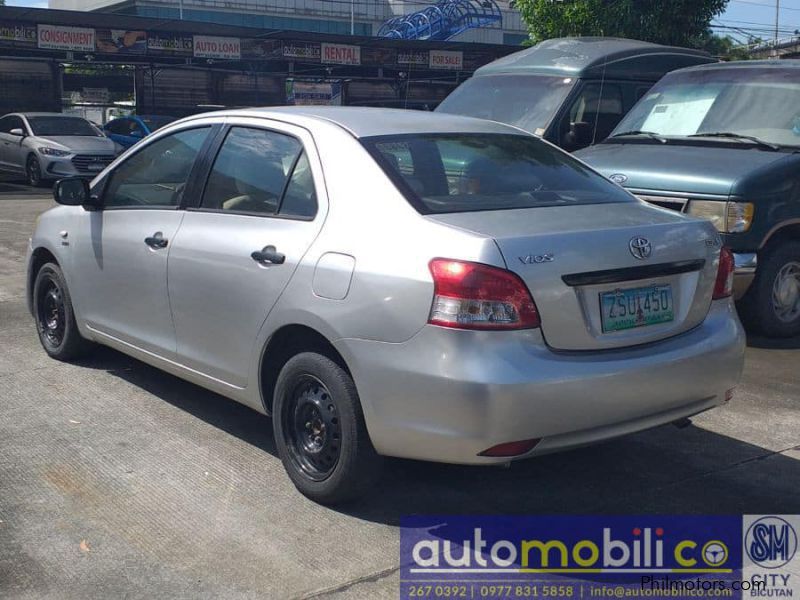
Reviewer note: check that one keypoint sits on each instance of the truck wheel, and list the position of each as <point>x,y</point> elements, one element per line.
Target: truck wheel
<point>771,306</point>
<point>320,431</point>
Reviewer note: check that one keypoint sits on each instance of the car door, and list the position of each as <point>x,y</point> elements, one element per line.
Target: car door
<point>121,250</point>
<point>237,249</point>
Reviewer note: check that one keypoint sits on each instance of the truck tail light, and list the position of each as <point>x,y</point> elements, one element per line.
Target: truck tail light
<point>723,286</point>
<point>471,295</point>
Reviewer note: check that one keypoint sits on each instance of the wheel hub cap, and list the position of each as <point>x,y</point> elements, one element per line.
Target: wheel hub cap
<point>786,292</point>
<point>51,313</point>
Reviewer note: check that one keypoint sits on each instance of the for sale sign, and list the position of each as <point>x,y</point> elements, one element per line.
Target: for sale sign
<point>447,59</point>
<point>206,46</point>
<point>341,54</point>
<point>58,37</point>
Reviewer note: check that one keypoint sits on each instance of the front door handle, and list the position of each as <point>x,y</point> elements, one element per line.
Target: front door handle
<point>157,240</point>
<point>268,255</point>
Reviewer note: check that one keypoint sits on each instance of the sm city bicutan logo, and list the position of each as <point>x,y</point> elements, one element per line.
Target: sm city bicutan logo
<point>642,550</point>
<point>770,542</point>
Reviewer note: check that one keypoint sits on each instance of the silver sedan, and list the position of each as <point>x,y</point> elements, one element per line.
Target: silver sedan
<point>390,283</point>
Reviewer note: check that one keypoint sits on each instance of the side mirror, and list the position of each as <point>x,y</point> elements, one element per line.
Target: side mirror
<point>580,134</point>
<point>74,191</point>
<point>17,132</point>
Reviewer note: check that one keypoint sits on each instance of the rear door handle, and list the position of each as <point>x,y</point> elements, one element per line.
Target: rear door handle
<point>157,240</point>
<point>268,255</point>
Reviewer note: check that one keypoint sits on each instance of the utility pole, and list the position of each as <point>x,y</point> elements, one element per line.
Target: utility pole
<point>777,18</point>
<point>180,9</point>
<point>353,17</point>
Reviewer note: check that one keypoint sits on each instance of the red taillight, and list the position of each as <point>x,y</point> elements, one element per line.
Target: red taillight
<point>511,448</point>
<point>723,287</point>
<point>470,295</point>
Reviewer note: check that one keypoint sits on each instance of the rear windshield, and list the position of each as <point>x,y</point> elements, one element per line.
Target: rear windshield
<point>465,172</point>
<point>62,126</point>
<point>525,101</point>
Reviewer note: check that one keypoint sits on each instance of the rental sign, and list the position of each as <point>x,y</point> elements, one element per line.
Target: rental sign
<point>206,46</point>
<point>341,54</point>
<point>58,37</point>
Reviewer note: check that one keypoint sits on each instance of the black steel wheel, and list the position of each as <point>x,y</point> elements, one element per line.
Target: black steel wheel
<point>55,319</point>
<point>320,431</point>
<point>312,424</point>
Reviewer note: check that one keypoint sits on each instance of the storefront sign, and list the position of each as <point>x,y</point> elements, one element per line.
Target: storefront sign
<point>313,93</point>
<point>57,37</point>
<point>206,46</point>
<point>341,54</point>
<point>17,35</point>
<point>302,51</point>
<point>446,59</point>
<point>261,48</point>
<point>121,41</point>
<point>413,57</point>
<point>168,43</point>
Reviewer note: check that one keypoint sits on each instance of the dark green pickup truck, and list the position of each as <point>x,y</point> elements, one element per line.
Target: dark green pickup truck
<point>722,141</point>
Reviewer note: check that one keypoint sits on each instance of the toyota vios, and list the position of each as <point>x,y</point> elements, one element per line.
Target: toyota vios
<point>390,283</point>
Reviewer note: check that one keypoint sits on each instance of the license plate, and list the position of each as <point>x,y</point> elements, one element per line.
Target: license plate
<point>95,166</point>
<point>636,307</point>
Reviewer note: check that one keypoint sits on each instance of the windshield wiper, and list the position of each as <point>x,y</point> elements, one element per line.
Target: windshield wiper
<point>738,136</point>
<point>650,134</point>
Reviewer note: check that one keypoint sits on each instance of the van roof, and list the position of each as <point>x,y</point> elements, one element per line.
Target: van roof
<point>616,58</point>
<point>770,63</point>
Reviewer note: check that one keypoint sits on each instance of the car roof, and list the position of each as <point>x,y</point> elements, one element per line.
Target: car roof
<point>597,56</point>
<point>774,63</point>
<point>48,114</point>
<point>369,122</point>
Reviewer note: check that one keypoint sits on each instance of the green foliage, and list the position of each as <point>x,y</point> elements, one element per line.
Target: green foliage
<point>674,22</point>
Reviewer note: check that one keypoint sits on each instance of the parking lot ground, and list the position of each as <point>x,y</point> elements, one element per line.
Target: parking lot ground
<point>120,481</point>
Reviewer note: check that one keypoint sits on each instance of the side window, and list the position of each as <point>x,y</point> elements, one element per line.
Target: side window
<point>119,127</point>
<point>11,122</point>
<point>156,175</point>
<point>300,198</point>
<point>250,171</point>
<point>593,115</point>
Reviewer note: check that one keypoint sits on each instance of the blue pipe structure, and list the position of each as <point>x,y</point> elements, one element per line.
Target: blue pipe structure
<point>443,20</point>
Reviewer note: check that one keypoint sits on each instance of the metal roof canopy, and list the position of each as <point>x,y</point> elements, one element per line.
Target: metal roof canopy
<point>104,20</point>
<point>596,57</point>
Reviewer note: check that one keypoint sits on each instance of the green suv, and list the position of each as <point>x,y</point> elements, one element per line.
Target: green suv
<point>722,141</point>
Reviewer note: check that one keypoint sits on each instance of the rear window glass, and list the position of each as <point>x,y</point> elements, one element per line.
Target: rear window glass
<point>445,173</point>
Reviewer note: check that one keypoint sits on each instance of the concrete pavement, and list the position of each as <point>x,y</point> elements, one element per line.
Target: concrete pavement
<point>120,481</point>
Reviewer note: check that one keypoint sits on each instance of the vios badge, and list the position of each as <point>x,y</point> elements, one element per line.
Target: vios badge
<point>618,178</point>
<point>640,247</point>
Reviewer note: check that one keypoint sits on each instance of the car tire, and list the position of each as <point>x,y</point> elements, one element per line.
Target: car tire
<point>771,306</point>
<point>55,317</point>
<point>33,172</point>
<point>320,431</point>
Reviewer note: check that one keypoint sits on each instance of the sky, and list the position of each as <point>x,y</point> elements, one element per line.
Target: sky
<point>742,18</point>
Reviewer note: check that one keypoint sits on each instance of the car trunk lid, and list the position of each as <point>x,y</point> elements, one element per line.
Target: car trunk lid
<point>568,256</point>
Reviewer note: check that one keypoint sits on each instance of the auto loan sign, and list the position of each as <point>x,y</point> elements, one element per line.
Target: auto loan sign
<point>341,54</point>
<point>206,46</point>
<point>58,37</point>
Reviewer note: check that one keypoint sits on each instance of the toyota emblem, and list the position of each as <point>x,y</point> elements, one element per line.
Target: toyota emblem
<point>618,178</point>
<point>640,247</point>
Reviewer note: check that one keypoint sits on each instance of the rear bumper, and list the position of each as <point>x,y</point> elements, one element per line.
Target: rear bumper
<point>744,272</point>
<point>447,395</point>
